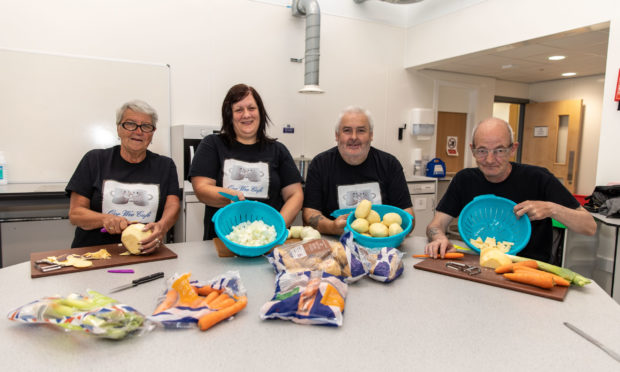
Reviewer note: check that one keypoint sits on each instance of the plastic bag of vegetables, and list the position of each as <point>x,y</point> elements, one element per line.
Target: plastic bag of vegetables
<point>94,314</point>
<point>310,297</point>
<point>192,303</point>
<point>318,255</point>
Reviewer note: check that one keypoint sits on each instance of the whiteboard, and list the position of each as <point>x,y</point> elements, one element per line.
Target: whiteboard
<point>54,108</point>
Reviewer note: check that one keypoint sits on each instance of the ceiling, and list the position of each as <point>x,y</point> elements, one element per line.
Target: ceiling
<point>527,62</point>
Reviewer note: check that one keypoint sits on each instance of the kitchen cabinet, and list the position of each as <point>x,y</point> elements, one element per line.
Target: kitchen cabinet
<point>423,191</point>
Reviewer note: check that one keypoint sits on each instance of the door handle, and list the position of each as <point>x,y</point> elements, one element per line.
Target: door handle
<point>571,165</point>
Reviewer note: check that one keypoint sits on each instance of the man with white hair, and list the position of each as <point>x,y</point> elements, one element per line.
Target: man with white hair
<point>535,190</point>
<point>350,172</point>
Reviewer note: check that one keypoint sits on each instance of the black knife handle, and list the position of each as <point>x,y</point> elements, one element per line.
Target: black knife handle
<point>145,279</point>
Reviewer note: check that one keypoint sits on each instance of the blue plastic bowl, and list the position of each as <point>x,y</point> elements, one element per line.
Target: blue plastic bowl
<point>493,216</point>
<point>388,241</point>
<point>248,211</point>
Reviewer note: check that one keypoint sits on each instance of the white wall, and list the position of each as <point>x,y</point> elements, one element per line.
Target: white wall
<point>214,44</point>
<point>485,26</point>
<point>590,90</point>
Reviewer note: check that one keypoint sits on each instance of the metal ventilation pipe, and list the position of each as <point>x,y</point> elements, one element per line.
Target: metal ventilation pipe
<point>310,9</point>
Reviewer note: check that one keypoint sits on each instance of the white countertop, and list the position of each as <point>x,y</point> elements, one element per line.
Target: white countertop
<point>422,321</point>
<point>14,188</point>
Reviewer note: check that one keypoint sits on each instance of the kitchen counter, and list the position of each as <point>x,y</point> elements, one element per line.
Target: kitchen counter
<point>422,321</point>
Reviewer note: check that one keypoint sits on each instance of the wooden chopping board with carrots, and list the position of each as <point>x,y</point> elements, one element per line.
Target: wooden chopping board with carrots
<point>162,253</point>
<point>488,276</point>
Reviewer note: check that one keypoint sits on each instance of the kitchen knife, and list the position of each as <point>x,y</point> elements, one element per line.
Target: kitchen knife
<point>581,333</point>
<point>138,281</point>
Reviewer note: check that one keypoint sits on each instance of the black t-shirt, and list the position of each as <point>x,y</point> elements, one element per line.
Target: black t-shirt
<point>137,191</point>
<point>260,171</point>
<point>525,182</point>
<point>333,184</point>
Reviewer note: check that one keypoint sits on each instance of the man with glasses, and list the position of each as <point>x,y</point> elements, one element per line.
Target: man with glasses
<point>536,191</point>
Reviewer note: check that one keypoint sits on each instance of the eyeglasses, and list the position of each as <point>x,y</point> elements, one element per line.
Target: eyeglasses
<point>131,126</point>
<point>499,152</point>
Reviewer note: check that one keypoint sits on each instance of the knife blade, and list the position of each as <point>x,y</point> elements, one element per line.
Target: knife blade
<point>138,281</point>
<point>581,333</point>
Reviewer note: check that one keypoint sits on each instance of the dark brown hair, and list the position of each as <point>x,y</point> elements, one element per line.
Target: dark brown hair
<point>235,94</point>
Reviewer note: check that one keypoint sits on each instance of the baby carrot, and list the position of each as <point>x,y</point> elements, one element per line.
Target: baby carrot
<point>209,320</point>
<point>448,255</point>
<point>538,280</point>
<point>558,280</point>
<point>504,269</point>
<point>168,302</point>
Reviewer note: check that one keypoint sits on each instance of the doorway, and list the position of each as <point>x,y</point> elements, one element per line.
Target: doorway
<point>450,140</point>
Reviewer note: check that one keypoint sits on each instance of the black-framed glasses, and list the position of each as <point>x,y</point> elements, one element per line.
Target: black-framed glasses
<point>499,152</point>
<point>131,126</point>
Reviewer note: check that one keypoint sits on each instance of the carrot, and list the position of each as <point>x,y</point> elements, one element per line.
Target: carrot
<point>205,290</point>
<point>504,269</point>
<point>168,302</point>
<point>209,320</point>
<point>558,280</point>
<point>216,303</point>
<point>210,297</point>
<point>448,255</point>
<point>530,263</point>
<point>223,304</point>
<point>536,279</point>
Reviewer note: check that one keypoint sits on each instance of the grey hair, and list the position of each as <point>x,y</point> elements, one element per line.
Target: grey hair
<point>137,106</point>
<point>510,131</point>
<point>355,110</point>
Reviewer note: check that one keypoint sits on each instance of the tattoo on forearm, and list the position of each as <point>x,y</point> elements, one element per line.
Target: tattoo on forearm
<point>314,220</point>
<point>432,232</point>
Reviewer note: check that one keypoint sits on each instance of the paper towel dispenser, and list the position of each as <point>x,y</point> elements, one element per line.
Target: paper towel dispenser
<point>422,122</point>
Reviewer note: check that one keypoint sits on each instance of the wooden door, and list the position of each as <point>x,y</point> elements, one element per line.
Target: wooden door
<point>451,126</point>
<point>552,137</point>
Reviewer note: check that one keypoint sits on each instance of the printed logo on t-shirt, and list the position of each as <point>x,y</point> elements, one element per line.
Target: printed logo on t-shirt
<point>134,201</point>
<point>252,179</point>
<point>350,195</point>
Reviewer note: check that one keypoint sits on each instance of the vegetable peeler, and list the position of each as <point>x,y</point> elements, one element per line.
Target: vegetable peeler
<point>468,269</point>
<point>49,267</point>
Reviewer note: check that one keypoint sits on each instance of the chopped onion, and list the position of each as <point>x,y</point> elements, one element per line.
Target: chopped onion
<point>252,233</point>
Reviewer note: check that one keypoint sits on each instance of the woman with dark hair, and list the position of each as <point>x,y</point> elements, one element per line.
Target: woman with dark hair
<point>243,160</point>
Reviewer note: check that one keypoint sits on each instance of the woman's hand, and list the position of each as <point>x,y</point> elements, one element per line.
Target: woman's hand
<point>150,244</point>
<point>114,224</point>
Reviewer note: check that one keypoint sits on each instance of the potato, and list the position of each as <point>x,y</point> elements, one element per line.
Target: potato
<point>132,236</point>
<point>394,229</point>
<point>363,209</point>
<point>392,217</point>
<point>494,258</point>
<point>378,230</point>
<point>296,232</point>
<point>360,225</point>
<point>373,217</point>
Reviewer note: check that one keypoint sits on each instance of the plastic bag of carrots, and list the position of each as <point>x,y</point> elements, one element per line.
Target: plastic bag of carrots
<point>310,297</point>
<point>192,303</point>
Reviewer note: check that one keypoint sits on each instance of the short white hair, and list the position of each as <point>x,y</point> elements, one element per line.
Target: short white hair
<point>354,110</point>
<point>137,106</point>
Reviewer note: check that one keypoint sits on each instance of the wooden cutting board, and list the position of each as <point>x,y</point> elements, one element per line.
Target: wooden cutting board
<point>223,251</point>
<point>488,276</point>
<point>162,253</point>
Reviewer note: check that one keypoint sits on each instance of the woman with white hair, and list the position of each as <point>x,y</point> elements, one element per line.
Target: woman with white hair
<point>114,187</point>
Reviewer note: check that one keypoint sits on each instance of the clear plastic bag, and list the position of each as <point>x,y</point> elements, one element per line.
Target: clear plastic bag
<point>309,297</point>
<point>184,306</point>
<point>382,264</point>
<point>334,258</point>
<point>93,314</point>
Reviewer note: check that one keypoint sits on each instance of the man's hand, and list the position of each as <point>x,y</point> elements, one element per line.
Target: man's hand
<point>535,209</point>
<point>438,247</point>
